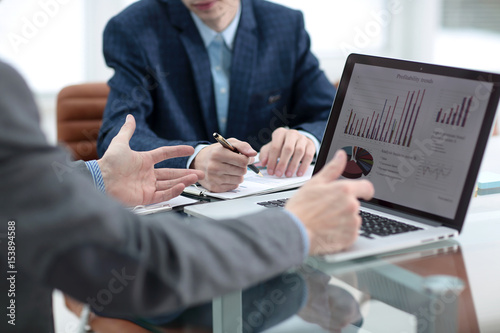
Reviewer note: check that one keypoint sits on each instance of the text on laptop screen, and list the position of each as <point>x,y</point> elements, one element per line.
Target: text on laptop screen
<point>411,134</point>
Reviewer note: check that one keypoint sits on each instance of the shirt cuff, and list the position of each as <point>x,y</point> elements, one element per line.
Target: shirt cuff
<point>197,149</point>
<point>95,171</point>
<point>303,232</point>
<point>313,138</point>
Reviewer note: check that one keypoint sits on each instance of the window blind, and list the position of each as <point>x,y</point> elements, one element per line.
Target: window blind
<point>471,14</point>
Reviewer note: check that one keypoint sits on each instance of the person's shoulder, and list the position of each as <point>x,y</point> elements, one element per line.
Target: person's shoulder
<point>270,15</point>
<point>10,75</point>
<point>264,9</point>
<point>7,70</point>
<point>138,11</point>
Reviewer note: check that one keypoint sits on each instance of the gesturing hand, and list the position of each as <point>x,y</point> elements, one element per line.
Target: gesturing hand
<point>130,176</point>
<point>329,208</point>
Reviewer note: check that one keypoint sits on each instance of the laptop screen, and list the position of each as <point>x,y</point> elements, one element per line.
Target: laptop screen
<point>416,131</point>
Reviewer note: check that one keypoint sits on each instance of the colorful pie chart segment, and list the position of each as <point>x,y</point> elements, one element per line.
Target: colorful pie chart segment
<point>359,162</point>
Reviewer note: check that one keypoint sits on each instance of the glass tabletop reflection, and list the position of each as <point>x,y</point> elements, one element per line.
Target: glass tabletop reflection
<point>422,289</point>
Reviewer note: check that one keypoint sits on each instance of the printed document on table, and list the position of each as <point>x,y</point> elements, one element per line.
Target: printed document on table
<point>162,206</point>
<point>254,184</point>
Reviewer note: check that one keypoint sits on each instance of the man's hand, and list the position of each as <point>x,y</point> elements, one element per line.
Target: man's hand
<point>294,151</point>
<point>329,208</point>
<point>224,170</point>
<point>130,176</point>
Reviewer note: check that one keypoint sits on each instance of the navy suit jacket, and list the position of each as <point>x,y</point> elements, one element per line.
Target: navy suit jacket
<point>162,77</point>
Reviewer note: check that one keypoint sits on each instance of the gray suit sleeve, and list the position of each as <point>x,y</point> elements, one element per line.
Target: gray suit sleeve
<point>71,237</point>
<point>81,168</point>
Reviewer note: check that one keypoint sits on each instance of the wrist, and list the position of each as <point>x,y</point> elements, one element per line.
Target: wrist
<point>197,150</point>
<point>304,232</point>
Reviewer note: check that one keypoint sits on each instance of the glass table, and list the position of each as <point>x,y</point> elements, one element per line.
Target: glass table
<point>450,286</point>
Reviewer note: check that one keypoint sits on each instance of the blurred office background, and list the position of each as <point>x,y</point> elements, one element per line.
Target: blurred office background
<point>55,43</point>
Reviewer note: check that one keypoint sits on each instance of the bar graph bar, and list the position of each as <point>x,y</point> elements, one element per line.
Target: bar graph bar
<point>456,115</point>
<point>392,124</point>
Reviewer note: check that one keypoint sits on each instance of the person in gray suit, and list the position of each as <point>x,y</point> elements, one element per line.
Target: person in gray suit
<point>67,235</point>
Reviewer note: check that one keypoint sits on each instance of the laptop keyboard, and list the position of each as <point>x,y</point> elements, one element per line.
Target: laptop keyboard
<point>382,226</point>
<point>372,224</point>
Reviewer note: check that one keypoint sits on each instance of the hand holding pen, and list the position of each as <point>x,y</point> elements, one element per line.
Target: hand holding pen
<point>224,170</point>
<point>229,146</point>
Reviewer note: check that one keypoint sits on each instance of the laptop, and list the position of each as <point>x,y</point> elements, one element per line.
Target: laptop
<point>418,132</point>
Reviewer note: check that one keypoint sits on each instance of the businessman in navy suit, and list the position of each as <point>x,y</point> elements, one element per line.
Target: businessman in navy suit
<point>243,68</point>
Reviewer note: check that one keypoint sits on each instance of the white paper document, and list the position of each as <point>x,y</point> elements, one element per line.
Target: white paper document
<point>254,184</point>
<point>162,206</point>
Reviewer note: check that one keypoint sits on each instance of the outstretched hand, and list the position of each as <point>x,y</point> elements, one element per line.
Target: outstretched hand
<point>130,176</point>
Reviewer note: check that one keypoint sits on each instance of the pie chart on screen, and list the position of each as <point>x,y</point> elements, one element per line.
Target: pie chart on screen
<point>359,162</point>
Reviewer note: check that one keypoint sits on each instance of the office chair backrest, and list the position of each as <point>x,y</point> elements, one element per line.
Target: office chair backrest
<point>79,116</point>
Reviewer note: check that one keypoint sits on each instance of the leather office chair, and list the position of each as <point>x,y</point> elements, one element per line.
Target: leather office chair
<point>79,117</point>
<point>111,325</point>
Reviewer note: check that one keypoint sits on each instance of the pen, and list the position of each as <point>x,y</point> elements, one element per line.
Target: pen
<point>229,146</point>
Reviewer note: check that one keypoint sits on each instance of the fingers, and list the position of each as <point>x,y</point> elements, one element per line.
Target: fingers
<point>165,153</point>
<point>274,150</point>
<point>289,151</point>
<point>171,193</point>
<point>162,185</point>
<point>306,161</point>
<point>224,177</point>
<point>224,170</point>
<point>73,305</point>
<point>243,147</point>
<point>264,155</point>
<point>127,130</point>
<point>302,157</point>
<point>221,183</point>
<point>329,208</point>
<point>333,169</point>
<point>223,187</point>
<point>362,189</point>
<point>171,174</point>
<point>215,157</point>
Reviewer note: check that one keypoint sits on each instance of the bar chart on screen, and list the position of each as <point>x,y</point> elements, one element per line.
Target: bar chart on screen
<point>391,118</point>
<point>458,111</point>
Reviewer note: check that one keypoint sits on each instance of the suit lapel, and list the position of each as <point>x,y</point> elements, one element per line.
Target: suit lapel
<point>243,62</point>
<point>200,63</point>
